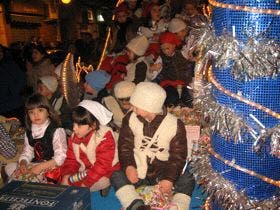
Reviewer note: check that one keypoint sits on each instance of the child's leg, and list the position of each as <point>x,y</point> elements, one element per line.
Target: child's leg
<point>10,168</point>
<point>183,191</point>
<point>125,191</point>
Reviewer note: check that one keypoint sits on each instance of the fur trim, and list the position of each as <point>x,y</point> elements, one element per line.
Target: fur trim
<point>182,202</point>
<point>112,104</point>
<point>127,195</point>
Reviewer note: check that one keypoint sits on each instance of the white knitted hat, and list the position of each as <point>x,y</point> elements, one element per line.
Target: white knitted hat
<point>50,82</point>
<point>138,45</point>
<point>124,89</point>
<point>148,96</point>
<point>102,114</point>
<point>176,25</point>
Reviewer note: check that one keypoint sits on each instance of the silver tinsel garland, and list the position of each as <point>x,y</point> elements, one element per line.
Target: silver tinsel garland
<point>221,190</point>
<point>259,57</point>
<point>232,126</point>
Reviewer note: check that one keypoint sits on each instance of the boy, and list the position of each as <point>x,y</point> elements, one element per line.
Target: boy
<point>152,150</point>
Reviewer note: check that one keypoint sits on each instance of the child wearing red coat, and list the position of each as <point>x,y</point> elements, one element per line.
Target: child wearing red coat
<point>92,153</point>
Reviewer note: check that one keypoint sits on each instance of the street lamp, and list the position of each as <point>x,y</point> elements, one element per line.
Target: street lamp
<point>66,1</point>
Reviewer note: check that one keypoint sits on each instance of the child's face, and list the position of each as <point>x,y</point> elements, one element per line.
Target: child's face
<point>155,13</point>
<point>182,34</point>
<point>146,115</point>
<point>43,90</point>
<point>37,56</point>
<point>121,17</point>
<point>124,102</point>
<point>89,89</point>
<point>168,49</point>
<point>130,54</point>
<point>190,10</point>
<point>38,116</point>
<point>81,130</point>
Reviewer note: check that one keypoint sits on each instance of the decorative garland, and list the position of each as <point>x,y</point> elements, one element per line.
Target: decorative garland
<point>245,8</point>
<point>240,98</point>
<point>244,170</point>
<point>232,126</point>
<point>222,190</point>
<point>259,57</point>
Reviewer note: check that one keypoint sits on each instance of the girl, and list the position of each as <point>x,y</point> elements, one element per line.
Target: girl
<point>44,144</point>
<point>138,65</point>
<point>92,152</point>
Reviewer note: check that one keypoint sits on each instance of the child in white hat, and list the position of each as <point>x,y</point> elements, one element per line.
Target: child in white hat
<point>152,151</point>
<point>138,66</point>
<point>119,103</point>
<point>92,151</point>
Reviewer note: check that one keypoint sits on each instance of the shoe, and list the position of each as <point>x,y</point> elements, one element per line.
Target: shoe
<point>105,192</point>
<point>144,207</point>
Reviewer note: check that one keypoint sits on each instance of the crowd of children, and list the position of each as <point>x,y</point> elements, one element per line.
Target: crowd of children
<point>122,134</point>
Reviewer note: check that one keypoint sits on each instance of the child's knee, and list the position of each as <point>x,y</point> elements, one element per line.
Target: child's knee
<point>119,179</point>
<point>10,168</point>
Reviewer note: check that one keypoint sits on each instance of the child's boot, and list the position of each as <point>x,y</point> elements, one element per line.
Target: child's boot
<point>181,202</point>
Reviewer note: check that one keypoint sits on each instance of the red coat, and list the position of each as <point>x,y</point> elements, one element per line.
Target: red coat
<point>116,67</point>
<point>104,153</point>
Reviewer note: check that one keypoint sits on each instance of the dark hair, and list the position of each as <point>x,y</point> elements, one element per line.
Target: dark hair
<point>40,48</point>
<point>39,101</point>
<point>82,116</point>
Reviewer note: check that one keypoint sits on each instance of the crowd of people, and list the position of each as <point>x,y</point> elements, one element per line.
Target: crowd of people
<point>120,134</point>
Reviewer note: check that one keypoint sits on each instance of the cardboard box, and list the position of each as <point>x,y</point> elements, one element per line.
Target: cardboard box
<point>26,195</point>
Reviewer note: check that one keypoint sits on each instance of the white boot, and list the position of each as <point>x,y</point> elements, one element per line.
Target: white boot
<point>127,195</point>
<point>10,168</point>
<point>181,202</point>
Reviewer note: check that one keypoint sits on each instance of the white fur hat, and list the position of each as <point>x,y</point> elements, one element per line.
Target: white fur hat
<point>138,45</point>
<point>50,82</point>
<point>148,96</point>
<point>124,89</point>
<point>176,25</point>
<point>103,115</point>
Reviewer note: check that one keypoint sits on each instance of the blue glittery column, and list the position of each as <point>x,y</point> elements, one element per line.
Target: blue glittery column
<point>265,91</point>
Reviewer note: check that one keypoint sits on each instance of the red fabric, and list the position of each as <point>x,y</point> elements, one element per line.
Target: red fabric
<point>121,8</point>
<point>107,64</point>
<point>168,37</point>
<point>53,176</point>
<point>148,9</point>
<point>153,49</point>
<point>173,83</point>
<point>118,70</point>
<point>105,152</point>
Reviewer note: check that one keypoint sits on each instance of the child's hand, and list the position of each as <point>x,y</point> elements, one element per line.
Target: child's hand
<point>65,180</point>
<point>155,67</point>
<point>132,174</point>
<point>22,168</point>
<point>36,169</point>
<point>165,186</point>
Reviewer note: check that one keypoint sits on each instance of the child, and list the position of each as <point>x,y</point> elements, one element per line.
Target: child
<point>95,85</point>
<point>119,105</point>
<point>137,68</point>
<point>44,143</point>
<point>178,27</point>
<point>173,71</point>
<point>48,86</point>
<point>152,150</point>
<point>92,153</point>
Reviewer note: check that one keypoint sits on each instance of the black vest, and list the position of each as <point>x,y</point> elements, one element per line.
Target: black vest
<point>43,147</point>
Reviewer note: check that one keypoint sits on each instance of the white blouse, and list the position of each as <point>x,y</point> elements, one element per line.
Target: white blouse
<point>59,143</point>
